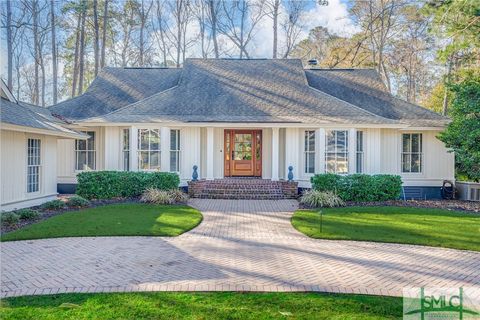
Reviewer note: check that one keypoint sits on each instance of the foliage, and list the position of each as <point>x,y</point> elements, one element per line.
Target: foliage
<point>359,187</point>
<point>463,134</point>
<point>27,214</point>
<point>77,202</point>
<point>130,219</point>
<point>179,196</point>
<point>56,204</point>
<point>114,184</point>
<point>321,199</point>
<point>152,195</point>
<point>9,218</point>
<point>431,227</point>
<point>202,305</point>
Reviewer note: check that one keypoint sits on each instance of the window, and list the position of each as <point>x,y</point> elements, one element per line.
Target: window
<point>85,152</point>
<point>33,165</point>
<point>359,151</point>
<point>336,154</point>
<point>126,149</point>
<point>149,149</point>
<point>412,152</point>
<point>309,151</point>
<point>174,150</point>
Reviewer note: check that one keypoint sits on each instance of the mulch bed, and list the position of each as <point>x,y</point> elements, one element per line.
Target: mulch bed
<point>45,214</point>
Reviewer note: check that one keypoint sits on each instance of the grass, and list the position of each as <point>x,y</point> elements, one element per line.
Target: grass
<point>113,220</point>
<point>163,305</point>
<point>431,227</point>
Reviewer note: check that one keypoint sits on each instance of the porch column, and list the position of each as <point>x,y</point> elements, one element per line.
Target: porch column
<point>133,142</point>
<point>165,149</point>
<point>210,151</point>
<point>275,153</point>
<point>352,151</point>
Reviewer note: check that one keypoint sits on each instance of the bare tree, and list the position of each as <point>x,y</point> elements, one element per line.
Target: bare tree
<point>75,57</point>
<point>96,38</point>
<point>143,15</point>
<point>182,14</point>
<point>54,53</point>
<point>9,45</point>
<point>81,59</point>
<point>104,32</point>
<point>213,16</point>
<point>160,33</point>
<point>239,22</point>
<point>292,25</point>
<point>272,10</point>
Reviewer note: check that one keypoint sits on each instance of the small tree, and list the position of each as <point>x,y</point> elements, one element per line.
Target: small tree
<point>463,134</point>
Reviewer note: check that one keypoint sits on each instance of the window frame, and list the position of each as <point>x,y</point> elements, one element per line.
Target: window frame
<point>92,152</point>
<point>38,166</point>
<point>149,150</point>
<point>360,154</point>
<point>307,134</point>
<point>125,151</point>
<point>336,151</point>
<point>420,153</point>
<point>177,151</point>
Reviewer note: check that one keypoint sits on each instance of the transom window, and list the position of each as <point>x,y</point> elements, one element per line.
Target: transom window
<point>412,152</point>
<point>174,150</point>
<point>309,150</point>
<point>126,149</point>
<point>33,165</point>
<point>336,154</point>
<point>149,149</point>
<point>85,152</point>
<point>359,152</point>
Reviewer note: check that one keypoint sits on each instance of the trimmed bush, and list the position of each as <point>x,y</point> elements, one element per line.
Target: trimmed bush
<point>360,187</point>
<point>53,205</point>
<point>77,202</point>
<point>9,218</point>
<point>321,199</point>
<point>152,195</point>
<point>27,214</point>
<point>122,184</point>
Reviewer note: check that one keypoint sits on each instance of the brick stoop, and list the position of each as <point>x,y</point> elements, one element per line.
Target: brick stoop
<point>243,188</point>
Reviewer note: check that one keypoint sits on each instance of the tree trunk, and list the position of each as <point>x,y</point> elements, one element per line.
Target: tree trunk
<point>81,64</point>
<point>179,31</point>
<point>36,45</point>
<point>162,33</point>
<point>96,39</point>
<point>42,69</point>
<point>104,35</point>
<point>276,6</point>
<point>54,54</point>
<point>9,46</point>
<point>242,29</point>
<point>445,94</point>
<point>75,59</point>
<point>213,15</point>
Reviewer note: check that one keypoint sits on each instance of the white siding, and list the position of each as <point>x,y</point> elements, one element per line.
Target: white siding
<point>14,167</point>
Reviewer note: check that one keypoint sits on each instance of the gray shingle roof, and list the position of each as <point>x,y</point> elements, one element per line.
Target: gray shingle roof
<point>115,88</point>
<point>26,115</point>
<point>365,89</point>
<point>224,90</point>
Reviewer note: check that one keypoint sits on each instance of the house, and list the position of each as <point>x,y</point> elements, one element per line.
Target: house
<point>252,118</point>
<point>29,136</point>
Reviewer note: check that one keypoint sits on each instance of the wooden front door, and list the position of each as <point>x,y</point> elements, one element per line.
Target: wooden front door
<point>243,153</point>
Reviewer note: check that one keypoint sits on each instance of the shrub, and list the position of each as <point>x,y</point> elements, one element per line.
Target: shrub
<point>78,202</point>
<point>53,205</point>
<point>321,199</point>
<point>116,184</point>
<point>27,214</point>
<point>9,218</point>
<point>179,196</point>
<point>360,187</point>
<point>152,195</point>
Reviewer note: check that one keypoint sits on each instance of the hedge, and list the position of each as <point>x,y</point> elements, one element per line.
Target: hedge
<point>115,184</point>
<point>360,187</point>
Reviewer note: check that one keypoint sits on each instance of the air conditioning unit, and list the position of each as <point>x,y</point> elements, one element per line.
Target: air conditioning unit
<point>468,190</point>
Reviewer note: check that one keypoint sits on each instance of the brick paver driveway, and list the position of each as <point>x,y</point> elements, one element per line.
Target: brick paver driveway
<point>240,245</point>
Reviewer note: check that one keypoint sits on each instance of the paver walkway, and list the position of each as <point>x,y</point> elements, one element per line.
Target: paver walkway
<point>240,245</point>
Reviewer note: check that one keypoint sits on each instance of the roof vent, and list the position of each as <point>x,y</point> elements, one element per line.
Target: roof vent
<point>312,62</point>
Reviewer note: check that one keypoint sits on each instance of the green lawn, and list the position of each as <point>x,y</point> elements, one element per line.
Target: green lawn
<point>431,227</point>
<point>223,305</point>
<point>113,220</point>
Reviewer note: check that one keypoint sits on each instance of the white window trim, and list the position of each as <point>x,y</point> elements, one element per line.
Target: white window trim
<point>421,173</point>
<point>360,153</point>
<point>178,151</point>
<point>325,151</point>
<point>305,152</point>
<point>75,152</point>
<point>123,150</point>
<point>149,150</point>
<point>40,168</point>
